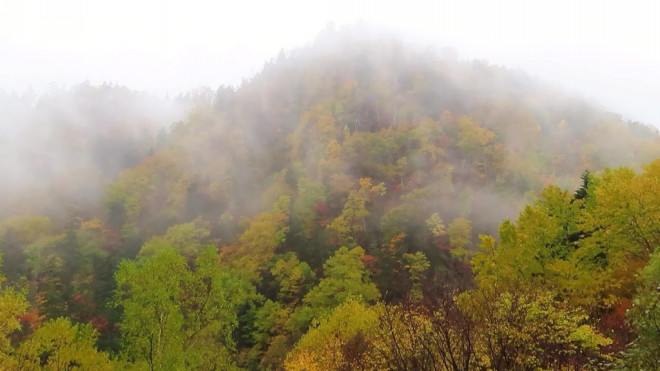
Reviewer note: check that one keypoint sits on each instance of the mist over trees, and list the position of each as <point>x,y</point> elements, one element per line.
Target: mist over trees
<point>358,204</point>
<point>66,145</point>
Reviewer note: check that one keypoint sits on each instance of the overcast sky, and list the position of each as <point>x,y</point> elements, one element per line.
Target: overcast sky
<point>607,51</point>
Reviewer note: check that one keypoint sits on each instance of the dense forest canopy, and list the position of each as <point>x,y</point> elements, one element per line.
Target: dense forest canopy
<point>358,204</point>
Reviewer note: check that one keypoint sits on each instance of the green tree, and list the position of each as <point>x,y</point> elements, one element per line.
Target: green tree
<point>16,233</point>
<point>269,323</point>
<point>294,277</point>
<point>353,216</point>
<point>187,238</point>
<point>644,352</point>
<point>460,236</point>
<point>149,197</point>
<point>344,276</point>
<point>305,212</point>
<point>417,265</point>
<point>174,317</point>
<point>60,345</point>
<point>544,248</point>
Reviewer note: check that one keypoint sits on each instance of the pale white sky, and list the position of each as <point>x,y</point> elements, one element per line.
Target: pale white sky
<point>608,51</point>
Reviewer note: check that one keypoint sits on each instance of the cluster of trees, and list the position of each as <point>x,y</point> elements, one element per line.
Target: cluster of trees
<point>573,283</point>
<point>340,211</point>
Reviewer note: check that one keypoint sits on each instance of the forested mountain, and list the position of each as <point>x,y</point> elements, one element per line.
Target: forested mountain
<point>351,206</point>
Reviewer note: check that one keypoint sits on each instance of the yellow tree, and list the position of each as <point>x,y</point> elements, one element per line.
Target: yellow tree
<point>257,245</point>
<point>528,330</point>
<point>337,342</point>
<point>12,305</point>
<point>353,217</point>
<point>460,236</point>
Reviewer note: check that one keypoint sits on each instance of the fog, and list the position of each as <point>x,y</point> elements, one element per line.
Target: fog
<point>240,170</point>
<point>607,53</point>
<point>91,89</point>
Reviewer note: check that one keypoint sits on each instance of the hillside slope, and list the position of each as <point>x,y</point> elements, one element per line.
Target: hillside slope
<point>459,138</point>
<point>349,187</point>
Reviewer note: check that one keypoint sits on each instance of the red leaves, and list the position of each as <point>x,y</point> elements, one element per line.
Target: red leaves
<point>100,323</point>
<point>31,319</point>
<point>369,262</point>
<point>614,325</point>
<point>321,208</point>
<point>444,245</point>
<point>85,313</point>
